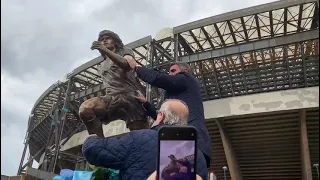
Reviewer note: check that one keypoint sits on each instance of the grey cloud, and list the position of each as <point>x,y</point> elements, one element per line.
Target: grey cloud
<point>47,35</point>
<point>43,37</point>
<point>142,18</point>
<point>20,119</point>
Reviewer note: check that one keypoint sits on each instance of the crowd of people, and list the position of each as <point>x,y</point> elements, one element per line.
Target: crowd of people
<point>135,154</point>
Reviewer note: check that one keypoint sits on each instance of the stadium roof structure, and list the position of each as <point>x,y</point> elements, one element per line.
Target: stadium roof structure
<point>265,48</point>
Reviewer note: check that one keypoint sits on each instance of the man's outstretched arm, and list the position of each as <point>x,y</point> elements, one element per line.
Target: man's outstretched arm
<point>151,110</point>
<point>162,80</point>
<point>107,152</point>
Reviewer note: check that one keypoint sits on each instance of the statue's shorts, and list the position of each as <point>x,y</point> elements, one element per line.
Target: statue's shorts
<point>125,107</point>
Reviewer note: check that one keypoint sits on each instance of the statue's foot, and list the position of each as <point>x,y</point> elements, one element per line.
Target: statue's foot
<point>94,126</point>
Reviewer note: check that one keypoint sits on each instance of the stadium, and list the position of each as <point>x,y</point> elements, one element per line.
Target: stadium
<point>259,74</point>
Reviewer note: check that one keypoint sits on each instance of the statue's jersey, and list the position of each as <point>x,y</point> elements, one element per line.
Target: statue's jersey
<point>121,89</point>
<point>115,79</point>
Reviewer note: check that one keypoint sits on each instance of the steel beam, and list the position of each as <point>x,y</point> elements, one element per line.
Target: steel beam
<point>33,157</point>
<point>54,129</point>
<point>26,138</point>
<point>239,13</point>
<point>22,158</point>
<point>139,42</point>
<point>163,52</point>
<point>85,66</point>
<point>50,140</point>
<point>176,48</point>
<point>303,57</point>
<point>59,130</point>
<point>252,46</point>
<point>238,49</point>
<point>71,134</point>
<point>85,93</point>
<point>42,121</point>
<point>150,59</point>
<point>44,94</point>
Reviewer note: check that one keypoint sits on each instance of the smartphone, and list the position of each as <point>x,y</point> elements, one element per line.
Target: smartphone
<point>177,147</point>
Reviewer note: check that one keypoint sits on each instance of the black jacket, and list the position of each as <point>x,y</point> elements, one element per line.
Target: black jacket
<point>186,88</point>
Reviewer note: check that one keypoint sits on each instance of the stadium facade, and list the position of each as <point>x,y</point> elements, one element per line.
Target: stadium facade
<point>259,74</point>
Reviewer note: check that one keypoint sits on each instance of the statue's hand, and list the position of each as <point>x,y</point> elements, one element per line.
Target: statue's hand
<point>98,46</point>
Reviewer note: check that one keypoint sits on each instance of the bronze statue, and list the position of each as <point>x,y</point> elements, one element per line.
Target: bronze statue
<point>172,168</point>
<point>177,165</point>
<point>121,88</point>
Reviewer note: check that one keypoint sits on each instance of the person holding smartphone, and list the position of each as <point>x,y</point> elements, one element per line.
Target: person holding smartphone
<point>180,84</point>
<point>153,176</point>
<point>135,154</point>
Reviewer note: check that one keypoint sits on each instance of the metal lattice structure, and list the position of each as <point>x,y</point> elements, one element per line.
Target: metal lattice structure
<point>266,48</point>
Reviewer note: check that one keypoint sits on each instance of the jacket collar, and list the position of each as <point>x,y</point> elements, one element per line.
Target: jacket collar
<point>157,127</point>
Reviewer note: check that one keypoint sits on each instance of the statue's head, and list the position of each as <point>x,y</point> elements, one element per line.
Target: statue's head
<point>111,40</point>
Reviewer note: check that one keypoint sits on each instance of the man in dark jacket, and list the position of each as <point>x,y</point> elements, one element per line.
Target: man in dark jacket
<point>180,84</point>
<point>135,154</point>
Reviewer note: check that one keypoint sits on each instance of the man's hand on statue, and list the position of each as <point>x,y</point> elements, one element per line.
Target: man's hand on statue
<point>141,98</point>
<point>132,64</point>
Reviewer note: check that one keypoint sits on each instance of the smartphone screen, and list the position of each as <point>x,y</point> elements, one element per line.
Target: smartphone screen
<point>177,153</point>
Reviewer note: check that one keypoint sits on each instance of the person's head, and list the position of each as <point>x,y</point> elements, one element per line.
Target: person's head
<point>111,40</point>
<point>178,67</point>
<point>173,112</point>
<point>172,157</point>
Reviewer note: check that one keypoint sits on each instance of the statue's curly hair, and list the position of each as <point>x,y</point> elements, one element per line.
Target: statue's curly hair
<point>115,37</point>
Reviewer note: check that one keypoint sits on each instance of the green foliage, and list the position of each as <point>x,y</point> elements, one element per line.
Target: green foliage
<point>100,173</point>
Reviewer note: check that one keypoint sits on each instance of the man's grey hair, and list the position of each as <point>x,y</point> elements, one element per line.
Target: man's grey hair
<point>183,66</point>
<point>172,117</point>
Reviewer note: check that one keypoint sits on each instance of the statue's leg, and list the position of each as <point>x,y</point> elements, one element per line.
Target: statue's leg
<point>138,118</point>
<point>125,107</point>
<point>90,111</point>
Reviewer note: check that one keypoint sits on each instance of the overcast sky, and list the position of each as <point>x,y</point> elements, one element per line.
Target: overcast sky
<point>41,41</point>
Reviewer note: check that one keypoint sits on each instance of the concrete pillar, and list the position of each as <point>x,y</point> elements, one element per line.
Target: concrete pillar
<point>233,166</point>
<point>304,147</point>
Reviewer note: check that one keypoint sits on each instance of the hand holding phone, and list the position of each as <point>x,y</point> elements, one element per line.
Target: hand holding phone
<point>177,155</point>
<point>153,176</point>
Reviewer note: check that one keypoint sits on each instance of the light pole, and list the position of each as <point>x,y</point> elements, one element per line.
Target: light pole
<point>317,167</point>
<point>225,169</point>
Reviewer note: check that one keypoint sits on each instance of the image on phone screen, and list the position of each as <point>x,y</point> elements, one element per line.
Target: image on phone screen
<point>176,159</point>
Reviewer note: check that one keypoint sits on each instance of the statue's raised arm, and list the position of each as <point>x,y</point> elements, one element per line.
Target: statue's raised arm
<point>121,88</point>
<point>111,47</point>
